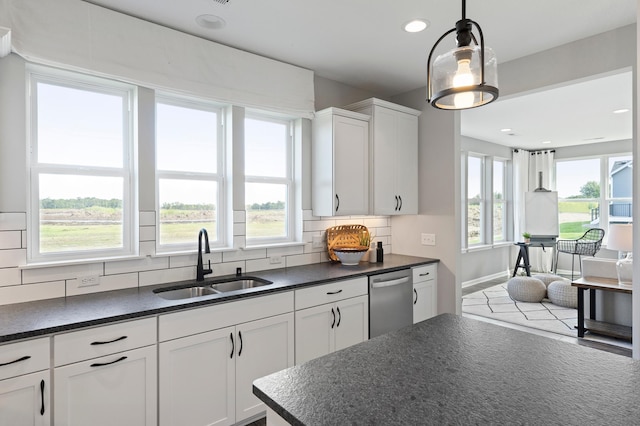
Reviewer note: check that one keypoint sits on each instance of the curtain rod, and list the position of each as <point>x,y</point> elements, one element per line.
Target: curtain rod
<point>535,152</point>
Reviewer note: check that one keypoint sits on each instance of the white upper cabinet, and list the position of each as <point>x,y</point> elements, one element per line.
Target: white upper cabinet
<point>394,156</point>
<point>340,163</point>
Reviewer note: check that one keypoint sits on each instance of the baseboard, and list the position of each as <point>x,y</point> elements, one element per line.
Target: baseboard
<point>498,275</point>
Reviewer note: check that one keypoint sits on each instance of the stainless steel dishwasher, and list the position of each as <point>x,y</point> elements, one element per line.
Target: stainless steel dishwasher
<point>390,302</point>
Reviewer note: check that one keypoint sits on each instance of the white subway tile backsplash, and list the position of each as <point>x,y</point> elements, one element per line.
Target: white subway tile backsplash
<point>239,242</point>
<point>107,283</point>
<point>180,261</point>
<point>67,272</point>
<point>285,251</point>
<point>239,229</point>
<point>10,276</point>
<point>308,215</point>
<point>147,218</point>
<point>318,225</point>
<point>10,240</point>
<point>236,255</point>
<point>136,265</point>
<point>147,233</point>
<point>30,292</point>
<point>13,257</point>
<point>162,276</point>
<point>302,259</point>
<point>13,221</point>
<point>239,216</point>
<point>147,248</point>
<point>262,265</point>
<point>228,268</point>
<point>376,222</point>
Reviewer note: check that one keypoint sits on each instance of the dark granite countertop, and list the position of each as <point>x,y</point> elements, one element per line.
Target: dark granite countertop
<point>454,370</point>
<point>31,319</point>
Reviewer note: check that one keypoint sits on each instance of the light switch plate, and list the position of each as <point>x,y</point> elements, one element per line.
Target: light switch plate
<point>428,239</point>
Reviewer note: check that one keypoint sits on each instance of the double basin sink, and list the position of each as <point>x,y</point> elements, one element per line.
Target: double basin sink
<point>208,288</point>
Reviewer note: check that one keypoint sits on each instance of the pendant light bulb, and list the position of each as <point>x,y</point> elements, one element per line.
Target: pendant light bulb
<point>463,78</point>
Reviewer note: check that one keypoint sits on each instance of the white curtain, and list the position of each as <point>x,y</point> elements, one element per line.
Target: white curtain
<point>81,36</point>
<point>520,186</point>
<point>541,164</point>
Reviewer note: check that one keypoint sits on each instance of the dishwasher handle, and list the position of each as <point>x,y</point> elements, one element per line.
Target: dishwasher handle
<point>389,283</point>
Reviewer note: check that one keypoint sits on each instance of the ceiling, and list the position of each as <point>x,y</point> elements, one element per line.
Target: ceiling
<point>361,43</point>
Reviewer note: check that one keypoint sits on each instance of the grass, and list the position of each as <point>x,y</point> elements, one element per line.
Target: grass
<point>81,236</point>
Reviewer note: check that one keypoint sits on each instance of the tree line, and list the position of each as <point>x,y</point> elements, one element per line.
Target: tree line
<point>79,203</point>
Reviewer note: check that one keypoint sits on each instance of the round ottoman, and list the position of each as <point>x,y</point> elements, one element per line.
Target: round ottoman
<point>526,289</point>
<point>561,293</point>
<point>547,278</point>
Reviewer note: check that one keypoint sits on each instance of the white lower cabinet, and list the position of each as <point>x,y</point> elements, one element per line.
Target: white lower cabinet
<point>118,389</point>
<point>107,375</point>
<point>25,383</point>
<point>425,292</point>
<point>207,378</point>
<point>328,327</point>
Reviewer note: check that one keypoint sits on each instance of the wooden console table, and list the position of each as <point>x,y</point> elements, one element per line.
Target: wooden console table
<point>599,327</point>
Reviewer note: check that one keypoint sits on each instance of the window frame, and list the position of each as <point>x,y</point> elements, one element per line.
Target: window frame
<point>487,201</point>
<point>36,74</point>
<point>219,176</point>
<point>289,180</point>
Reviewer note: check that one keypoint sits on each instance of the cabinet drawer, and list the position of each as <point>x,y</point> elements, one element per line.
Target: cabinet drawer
<point>21,358</point>
<point>424,273</point>
<point>100,341</point>
<point>330,292</point>
<point>221,315</point>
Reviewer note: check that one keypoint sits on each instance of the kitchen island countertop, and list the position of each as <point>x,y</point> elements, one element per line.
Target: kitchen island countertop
<point>455,370</point>
<point>43,317</point>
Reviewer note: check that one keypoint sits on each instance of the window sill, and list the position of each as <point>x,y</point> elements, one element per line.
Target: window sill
<point>273,245</point>
<point>484,247</point>
<point>38,265</point>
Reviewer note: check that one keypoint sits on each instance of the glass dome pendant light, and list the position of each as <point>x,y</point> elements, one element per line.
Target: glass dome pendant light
<point>465,77</point>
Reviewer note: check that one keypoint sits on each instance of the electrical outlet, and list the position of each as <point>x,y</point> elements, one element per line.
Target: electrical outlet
<point>88,281</point>
<point>275,260</point>
<point>428,239</point>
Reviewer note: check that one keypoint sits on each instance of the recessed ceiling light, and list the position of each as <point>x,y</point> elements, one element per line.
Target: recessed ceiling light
<point>546,142</point>
<point>621,111</point>
<point>416,25</point>
<point>505,130</point>
<point>211,22</point>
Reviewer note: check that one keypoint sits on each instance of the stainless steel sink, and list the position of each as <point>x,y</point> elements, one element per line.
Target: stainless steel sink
<point>235,284</point>
<point>186,292</point>
<point>211,288</point>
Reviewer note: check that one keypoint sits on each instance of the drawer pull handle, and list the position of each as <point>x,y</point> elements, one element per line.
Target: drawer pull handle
<point>110,341</point>
<point>42,397</point>
<point>425,274</point>
<point>24,358</point>
<point>102,364</point>
<point>334,292</point>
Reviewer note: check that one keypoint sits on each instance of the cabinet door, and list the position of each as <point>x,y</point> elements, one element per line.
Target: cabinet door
<point>351,166</point>
<point>384,162</point>
<point>425,300</point>
<point>314,334</point>
<point>406,167</point>
<point>197,379</point>
<point>352,325</point>
<point>263,347</point>
<point>24,400</point>
<point>118,389</point>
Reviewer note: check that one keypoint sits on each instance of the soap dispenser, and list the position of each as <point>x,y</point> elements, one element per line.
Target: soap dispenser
<point>379,252</point>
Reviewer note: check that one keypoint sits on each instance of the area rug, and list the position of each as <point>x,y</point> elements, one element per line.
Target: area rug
<point>495,303</point>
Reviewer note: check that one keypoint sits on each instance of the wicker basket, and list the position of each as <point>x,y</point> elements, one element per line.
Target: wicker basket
<point>346,236</point>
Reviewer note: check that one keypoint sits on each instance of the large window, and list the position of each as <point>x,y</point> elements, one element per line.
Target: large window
<point>81,184</point>
<point>488,217</point>
<point>269,190</point>
<point>586,185</point>
<point>189,172</point>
